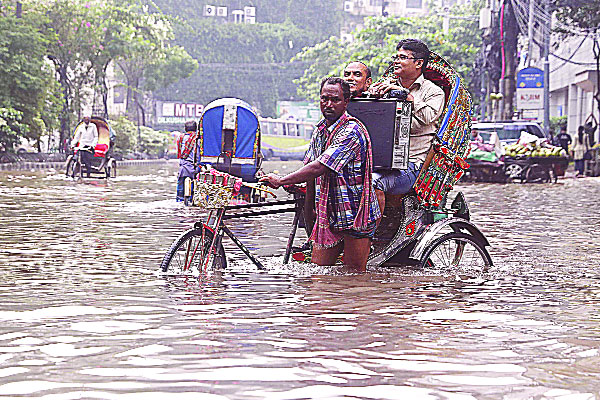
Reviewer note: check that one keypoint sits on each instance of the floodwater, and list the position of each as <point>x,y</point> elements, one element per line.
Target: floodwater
<point>85,314</point>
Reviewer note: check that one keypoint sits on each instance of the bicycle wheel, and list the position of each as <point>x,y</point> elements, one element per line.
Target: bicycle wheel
<point>456,251</point>
<point>189,251</point>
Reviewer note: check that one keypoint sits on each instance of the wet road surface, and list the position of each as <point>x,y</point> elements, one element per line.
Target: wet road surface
<point>84,313</point>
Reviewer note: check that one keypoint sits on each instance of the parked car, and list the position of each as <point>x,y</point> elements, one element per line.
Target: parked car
<point>509,131</point>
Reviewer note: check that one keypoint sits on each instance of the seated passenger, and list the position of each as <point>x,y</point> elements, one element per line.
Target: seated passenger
<point>428,103</point>
<point>358,76</point>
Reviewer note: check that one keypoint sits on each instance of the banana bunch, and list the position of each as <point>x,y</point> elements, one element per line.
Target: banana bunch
<point>534,150</point>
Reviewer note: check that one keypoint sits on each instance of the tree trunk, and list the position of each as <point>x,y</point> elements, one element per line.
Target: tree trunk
<point>65,114</point>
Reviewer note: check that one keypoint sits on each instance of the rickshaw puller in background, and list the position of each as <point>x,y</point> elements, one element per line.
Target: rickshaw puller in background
<point>85,141</point>
<point>339,183</point>
<point>185,152</point>
<point>428,103</point>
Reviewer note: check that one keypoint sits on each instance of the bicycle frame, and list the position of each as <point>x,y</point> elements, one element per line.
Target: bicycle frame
<point>216,222</point>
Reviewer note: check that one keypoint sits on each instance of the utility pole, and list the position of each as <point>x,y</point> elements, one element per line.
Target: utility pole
<point>530,33</point>
<point>546,31</point>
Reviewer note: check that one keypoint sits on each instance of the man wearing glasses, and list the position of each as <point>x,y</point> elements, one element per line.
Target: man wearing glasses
<point>428,103</point>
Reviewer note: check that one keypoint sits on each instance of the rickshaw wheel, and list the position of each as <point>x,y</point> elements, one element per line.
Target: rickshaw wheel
<point>456,252</point>
<point>537,173</point>
<point>112,168</point>
<point>69,166</point>
<point>189,252</point>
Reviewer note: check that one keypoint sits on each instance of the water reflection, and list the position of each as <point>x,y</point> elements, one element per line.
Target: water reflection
<point>86,315</point>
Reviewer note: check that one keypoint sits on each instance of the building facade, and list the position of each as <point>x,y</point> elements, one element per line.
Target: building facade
<point>573,83</point>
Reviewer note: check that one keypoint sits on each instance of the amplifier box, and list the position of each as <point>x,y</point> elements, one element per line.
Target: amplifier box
<point>388,122</point>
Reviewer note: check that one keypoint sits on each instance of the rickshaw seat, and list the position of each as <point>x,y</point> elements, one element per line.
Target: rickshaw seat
<point>100,150</point>
<point>245,171</point>
<point>395,200</point>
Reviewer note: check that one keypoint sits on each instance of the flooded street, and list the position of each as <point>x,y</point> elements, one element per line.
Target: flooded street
<point>85,314</point>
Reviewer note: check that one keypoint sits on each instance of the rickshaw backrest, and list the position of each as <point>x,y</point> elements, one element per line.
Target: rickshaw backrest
<point>229,114</point>
<point>446,161</point>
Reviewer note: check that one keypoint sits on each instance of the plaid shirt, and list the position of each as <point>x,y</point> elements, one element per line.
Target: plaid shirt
<point>345,157</point>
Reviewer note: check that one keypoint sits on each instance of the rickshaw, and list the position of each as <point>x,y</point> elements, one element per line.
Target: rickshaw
<point>229,141</point>
<point>418,229</point>
<point>103,165</point>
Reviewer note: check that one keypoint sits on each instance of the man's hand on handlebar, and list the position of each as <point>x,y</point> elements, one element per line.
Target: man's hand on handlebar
<point>271,180</point>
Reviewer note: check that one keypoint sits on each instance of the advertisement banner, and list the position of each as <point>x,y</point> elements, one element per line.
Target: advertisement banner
<point>530,99</point>
<point>173,113</point>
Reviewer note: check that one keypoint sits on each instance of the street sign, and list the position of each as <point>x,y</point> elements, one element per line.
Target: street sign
<point>530,78</point>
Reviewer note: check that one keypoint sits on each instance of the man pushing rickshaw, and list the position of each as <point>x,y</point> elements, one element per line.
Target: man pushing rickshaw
<point>413,128</point>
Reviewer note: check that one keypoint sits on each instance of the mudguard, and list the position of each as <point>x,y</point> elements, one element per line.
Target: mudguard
<point>432,231</point>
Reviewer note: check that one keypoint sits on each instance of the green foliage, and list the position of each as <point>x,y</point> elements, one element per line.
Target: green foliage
<point>376,43</point>
<point>169,67</point>
<point>26,80</point>
<point>11,128</point>
<point>584,14</point>
<point>128,137</point>
<point>556,123</point>
<point>322,17</point>
<point>245,61</point>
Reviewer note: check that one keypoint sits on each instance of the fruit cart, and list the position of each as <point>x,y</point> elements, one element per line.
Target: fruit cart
<point>534,162</point>
<point>535,169</point>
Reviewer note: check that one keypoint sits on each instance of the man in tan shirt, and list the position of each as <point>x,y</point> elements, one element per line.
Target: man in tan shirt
<point>428,103</point>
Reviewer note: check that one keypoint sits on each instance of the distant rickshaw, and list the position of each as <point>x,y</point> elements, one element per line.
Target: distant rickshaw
<point>103,165</point>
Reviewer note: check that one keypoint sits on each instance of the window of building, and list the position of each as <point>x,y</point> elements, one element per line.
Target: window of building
<point>414,3</point>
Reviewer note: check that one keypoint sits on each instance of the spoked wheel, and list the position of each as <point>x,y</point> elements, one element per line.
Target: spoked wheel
<point>75,170</point>
<point>537,173</point>
<point>456,252</point>
<point>111,169</point>
<point>514,171</point>
<point>69,164</point>
<point>188,253</point>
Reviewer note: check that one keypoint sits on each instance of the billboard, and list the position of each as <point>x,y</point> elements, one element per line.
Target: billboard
<point>172,113</point>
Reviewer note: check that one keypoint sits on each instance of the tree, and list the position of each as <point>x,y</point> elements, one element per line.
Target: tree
<point>321,17</point>
<point>246,61</point>
<point>249,61</point>
<point>376,43</point>
<point>26,83</point>
<point>149,61</point>
<point>147,140</point>
<point>74,33</point>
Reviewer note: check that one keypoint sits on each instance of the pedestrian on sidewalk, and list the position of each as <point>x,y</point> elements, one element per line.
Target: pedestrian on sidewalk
<point>581,146</point>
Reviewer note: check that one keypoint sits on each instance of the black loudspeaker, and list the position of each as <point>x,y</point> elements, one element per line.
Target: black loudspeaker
<point>389,134</point>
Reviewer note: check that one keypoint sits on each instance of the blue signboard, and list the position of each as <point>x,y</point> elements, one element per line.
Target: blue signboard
<point>530,78</point>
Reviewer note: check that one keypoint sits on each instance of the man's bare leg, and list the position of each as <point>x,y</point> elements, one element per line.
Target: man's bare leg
<point>356,253</point>
<point>326,256</point>
<point>381,201</point>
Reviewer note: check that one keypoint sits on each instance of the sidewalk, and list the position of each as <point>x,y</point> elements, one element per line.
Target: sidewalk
<point>60,165</point>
